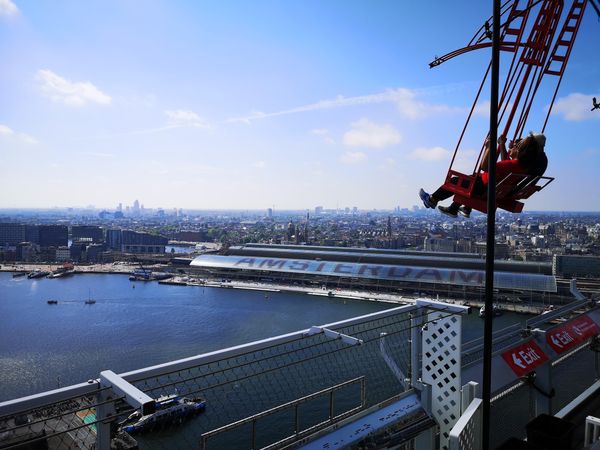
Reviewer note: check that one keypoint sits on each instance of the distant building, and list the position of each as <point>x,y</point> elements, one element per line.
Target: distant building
<point>11,234</point>
<point>54,235</point>
<point>63,254</point>
<point>439,244</point>
<point>27,252</point>
<point>114,239</point>
<point>89,233</point>
<point>94,252</point>
<point>136,242</point>
<point>32,234</point>
<point>270,213</point>
<point>191,236</point>
<point>568,266</point>
<point>318,210</point>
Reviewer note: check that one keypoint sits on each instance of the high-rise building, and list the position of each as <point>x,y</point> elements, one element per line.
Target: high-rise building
<point>270,213</point>
<point>318,210</point>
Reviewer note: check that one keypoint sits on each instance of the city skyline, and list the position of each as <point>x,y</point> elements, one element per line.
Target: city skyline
<point>245,106</point>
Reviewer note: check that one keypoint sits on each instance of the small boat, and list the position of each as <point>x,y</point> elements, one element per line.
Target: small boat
<point>19,274</point>
<point>52,302</point>
<point>90,301</point>
<point>495,309</point>
<point>170,409</point>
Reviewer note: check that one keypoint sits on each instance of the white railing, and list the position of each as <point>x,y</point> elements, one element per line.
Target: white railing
<point>466,434</point>
<point>592,430</point>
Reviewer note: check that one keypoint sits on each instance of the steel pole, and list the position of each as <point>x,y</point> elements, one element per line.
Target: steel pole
<point>491,229</point>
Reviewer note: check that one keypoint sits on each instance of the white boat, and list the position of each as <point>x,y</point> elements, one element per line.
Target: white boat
<point>495,308</point>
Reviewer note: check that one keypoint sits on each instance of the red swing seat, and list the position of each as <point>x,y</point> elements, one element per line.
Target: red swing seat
<point>509,190</point>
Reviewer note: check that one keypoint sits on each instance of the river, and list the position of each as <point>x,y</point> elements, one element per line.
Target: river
<point>135,325</point>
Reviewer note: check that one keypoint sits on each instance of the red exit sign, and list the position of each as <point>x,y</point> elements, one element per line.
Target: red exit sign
<point>571,334</point>
<point>524,358</point>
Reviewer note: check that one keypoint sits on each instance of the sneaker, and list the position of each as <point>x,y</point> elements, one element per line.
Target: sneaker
<point>427,201</point>
<point>448,211</point>
<point>465,211</point>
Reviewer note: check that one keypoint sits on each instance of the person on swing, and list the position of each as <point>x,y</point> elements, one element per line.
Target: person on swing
<point>525,156</point>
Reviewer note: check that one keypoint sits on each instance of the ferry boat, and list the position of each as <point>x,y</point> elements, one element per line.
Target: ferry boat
<point>52,302</point>
<point>169,409</point>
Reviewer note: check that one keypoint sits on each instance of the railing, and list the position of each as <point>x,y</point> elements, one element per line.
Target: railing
<point>466,434</point>
<point>236,382</point>
<point>298,433</point>
<point>473,350</point>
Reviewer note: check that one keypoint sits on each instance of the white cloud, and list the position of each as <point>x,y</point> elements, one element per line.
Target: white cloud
<point>405,100</point>
<point>365,133</point>
<point>70,93</point>
<point>259,164</point>
<point>429,154</point>
<point>183,118</point>
<point>353,157</point>
<point>8,8</point>
<point>576,107</point>
<point>8,133</point>
<point>324,134</point>
<point>410,107</point>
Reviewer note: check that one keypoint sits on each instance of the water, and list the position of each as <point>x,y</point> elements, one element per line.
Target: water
<point>43,346</point>
<point>135,325</point>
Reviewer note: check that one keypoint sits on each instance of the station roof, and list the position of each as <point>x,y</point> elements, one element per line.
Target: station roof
<point>389,272</point>
<point>385,256</point>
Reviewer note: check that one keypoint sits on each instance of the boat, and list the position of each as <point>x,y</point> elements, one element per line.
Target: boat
<point>169,409</point>
<point>52,302</point>
<point>19,274</point>
<point>90,301</point>
<point>495,309</point>
<point>37,274</point>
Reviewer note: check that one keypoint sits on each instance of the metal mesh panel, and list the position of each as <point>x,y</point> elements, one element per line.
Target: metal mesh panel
<point>510,413</point>
<point>67,424</point>
<point>573,375</point>
<point>243,385</point>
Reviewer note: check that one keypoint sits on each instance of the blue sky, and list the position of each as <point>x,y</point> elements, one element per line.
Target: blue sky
<point>247,105</point>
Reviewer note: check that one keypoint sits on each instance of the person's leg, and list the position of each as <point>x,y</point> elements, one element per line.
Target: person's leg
<point>431,200</point>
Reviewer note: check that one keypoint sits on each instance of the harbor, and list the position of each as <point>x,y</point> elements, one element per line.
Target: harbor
<point>187,280</point>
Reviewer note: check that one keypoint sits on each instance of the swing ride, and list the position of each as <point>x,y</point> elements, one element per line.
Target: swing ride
<point>540,34</point>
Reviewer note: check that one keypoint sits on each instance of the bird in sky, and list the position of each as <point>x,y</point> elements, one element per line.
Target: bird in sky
<point>595,103</point>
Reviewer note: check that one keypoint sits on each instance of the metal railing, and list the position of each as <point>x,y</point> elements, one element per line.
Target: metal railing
<point>235,383</point>
<point>298,433</point>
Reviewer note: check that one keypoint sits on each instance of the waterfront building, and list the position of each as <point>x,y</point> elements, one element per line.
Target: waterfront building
<point>54,235</point>
<point>11,234</point>
<point>62,254</point>
<point>137,242</point>
<point>90,233</point>
<point>113,239</point>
